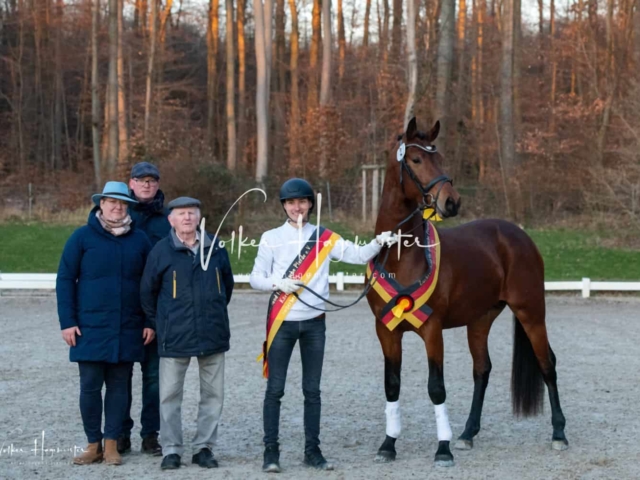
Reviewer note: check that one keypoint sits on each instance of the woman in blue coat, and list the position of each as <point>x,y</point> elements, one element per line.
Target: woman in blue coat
<point>98,291</point>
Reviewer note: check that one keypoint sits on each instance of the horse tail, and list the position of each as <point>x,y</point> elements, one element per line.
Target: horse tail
<point>527,385</point>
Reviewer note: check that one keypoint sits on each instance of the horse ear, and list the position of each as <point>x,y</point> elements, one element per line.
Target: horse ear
<point>433,133</point>
<point>412,129</point>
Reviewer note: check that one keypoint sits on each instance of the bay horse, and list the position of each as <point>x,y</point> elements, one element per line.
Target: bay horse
<point>485,265</point>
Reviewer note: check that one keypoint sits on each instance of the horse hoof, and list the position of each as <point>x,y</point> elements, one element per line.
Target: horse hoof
<point>462,444</point>
<point>444,462</point>
<point>559,445</point>
<point>384,456</point>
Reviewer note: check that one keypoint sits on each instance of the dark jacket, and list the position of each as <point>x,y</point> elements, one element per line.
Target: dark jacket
<point>98,290</point>
<point>187,304</point>
<point>151,217</point>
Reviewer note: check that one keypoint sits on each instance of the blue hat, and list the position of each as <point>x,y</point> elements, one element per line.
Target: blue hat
<point>117,190</point>
<point>183,202</point>
<point>145,169</point>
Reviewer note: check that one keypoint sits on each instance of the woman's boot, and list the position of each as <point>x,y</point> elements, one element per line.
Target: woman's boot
<point>111,455</point>
<point>92,454</point>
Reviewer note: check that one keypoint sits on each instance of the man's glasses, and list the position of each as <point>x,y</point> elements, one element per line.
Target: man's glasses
<point>148,181</point>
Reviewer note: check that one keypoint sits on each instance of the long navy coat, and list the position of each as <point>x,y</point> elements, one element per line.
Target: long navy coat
<point>98,290</point>
<point>188,305</point>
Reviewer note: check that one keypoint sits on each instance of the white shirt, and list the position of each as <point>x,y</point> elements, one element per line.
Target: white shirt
<point>279,248</point>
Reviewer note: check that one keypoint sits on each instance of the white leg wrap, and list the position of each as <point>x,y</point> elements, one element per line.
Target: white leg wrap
<point>394,425</point>
<point>442,422</point>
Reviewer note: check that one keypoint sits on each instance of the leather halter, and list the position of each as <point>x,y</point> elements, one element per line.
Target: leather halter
<point>428,199</point>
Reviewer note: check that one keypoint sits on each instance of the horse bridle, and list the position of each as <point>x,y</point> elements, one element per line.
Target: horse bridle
<point>428,199</point>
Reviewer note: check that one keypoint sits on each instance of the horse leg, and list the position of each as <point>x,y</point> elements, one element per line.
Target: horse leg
<point>391,342</point>
<point>432,336</point>
<point>477,337</point>
<point>531,346</point>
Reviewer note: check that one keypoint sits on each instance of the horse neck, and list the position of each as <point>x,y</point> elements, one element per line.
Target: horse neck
<point>394,208</point>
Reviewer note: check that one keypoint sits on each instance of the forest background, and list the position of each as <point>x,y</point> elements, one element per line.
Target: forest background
<point>539,103</point>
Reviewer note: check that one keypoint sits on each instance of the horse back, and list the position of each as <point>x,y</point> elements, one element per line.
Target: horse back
<point>482,262</point>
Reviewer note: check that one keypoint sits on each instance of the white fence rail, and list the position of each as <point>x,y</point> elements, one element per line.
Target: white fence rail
<point>47,281</point>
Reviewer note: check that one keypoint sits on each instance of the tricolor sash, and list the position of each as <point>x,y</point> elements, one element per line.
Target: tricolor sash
<point>303,268</point>
<point>408,303</point>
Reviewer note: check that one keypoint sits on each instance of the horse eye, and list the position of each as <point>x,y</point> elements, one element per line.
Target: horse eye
<point>416,160</point>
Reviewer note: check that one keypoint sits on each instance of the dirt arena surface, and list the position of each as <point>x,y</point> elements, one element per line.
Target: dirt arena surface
<point>596,342</point>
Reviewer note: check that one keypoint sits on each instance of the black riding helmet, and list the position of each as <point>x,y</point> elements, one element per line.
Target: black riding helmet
<point>297,188</point>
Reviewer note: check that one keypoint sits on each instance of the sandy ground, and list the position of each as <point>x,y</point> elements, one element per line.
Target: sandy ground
<point>596,342</point>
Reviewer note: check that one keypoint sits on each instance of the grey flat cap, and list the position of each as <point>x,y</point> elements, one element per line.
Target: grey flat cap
<point>145,169</point>
<point>183,202</point>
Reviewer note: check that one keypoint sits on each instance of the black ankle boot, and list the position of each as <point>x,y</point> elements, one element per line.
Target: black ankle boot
<point>271,459</point>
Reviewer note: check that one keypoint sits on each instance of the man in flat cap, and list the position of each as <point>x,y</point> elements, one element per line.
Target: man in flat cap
<point>188,306</point>
<point>149,215</point>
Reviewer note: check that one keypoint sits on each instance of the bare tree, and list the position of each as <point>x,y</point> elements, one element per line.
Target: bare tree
<point>150,64</point>
<point>263,32</point>
<point>314,55</point>
<point>325,86</point>
<point>367,14</point>
<point>342,42</point>
<point>123,136</point>
<point>112,101</point>
<point>231,113</point>
<point>294,126</point>
<point>242,76</point>
<point>445,67</point>
<point>412,61</point>
<point>95,94</point>
<point>507,135</point>
<point>212,54</point>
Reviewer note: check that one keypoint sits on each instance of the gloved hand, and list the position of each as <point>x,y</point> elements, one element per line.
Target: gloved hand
<point>287,285</point>
<point>386,239</point>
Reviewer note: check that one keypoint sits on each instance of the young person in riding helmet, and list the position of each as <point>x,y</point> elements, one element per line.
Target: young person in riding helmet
<point>295,254</point>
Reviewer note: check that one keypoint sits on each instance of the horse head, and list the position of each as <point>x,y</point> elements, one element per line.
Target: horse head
<point>418,165</point>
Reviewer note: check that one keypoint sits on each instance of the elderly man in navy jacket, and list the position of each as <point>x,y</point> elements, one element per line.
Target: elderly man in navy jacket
<point>188,306</point>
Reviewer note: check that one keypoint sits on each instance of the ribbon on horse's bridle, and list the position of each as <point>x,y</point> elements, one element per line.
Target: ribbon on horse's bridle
<point>432,202</point>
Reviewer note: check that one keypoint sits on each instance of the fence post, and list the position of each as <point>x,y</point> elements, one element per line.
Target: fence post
<point>586,287</point>
<point>364,195</point>
<point>340,281</point>
<point>30,201</point>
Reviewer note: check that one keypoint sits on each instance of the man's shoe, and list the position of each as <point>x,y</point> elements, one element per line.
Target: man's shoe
<point>205,459</point>
<point>315,459</point>
<point>170,462</point>
<point>150,445</point>
<point>271,459</point>
<point>124,444</point>
<point>111,455</point>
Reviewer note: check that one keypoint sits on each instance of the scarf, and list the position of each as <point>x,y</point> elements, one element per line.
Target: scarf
<point>147,209</point>
<point>115,228</point>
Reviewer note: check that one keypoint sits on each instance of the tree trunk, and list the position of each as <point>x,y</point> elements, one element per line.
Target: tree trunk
<point>314,54</point>
<point>95,95</point>
<point>554,65</point>
<point>231,113</point>
<point>412,62</point>
<point>112,152</point>
<point>445,64</point>
<point>396,31</point>
<point>262,18</point>
<point>212,55</point>
<point>325,86</point>
<point>242,78</point>
<point>342,42</point>
<point>367,14</point>
<point>153,21</point>
<point>123,136</point>
<point>294,127</point>
<point>507,136</point>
